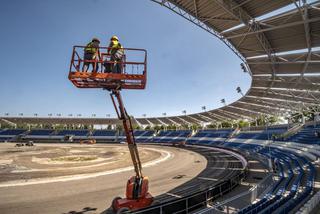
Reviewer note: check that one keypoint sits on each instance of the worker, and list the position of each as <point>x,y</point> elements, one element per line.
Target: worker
<point>116,52</point>
<point>91,52</point>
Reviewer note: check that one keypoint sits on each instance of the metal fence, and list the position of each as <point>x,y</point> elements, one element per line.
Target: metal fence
<point>247,197</point>
<point>228,206</point>
<point>197,200</point>
<point>205,202</point>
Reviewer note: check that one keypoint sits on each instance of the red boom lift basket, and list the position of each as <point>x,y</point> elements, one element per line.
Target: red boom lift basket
<point>130,74</point>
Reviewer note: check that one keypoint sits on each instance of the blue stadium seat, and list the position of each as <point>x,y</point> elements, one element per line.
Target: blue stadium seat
<point>306,135</point>
<point>13,132</point>
<point>40,132</point>
<point>73,132</point>
<point>172,136</point>
<point>104,133</point>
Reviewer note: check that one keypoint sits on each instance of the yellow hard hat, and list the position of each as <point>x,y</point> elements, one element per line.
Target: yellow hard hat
<point>114,38</point>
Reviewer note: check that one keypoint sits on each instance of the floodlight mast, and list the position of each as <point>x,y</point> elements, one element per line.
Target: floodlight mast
<point>114,80</point>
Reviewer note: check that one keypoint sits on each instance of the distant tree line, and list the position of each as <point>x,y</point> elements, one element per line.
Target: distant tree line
<point>306,114</point>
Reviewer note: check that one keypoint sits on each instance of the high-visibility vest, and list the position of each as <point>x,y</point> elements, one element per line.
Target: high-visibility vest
<point>90,49</point>
<point>114,46</point>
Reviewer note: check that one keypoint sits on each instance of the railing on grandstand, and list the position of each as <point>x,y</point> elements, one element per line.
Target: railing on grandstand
<point>292,131</point>
<point>233,133</point>
<point>196,201</point>
<point>310,205</point>
<point>261,128</point>
<point>250,195</point>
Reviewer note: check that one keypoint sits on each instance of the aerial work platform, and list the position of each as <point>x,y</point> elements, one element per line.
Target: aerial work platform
<point>131,72</point>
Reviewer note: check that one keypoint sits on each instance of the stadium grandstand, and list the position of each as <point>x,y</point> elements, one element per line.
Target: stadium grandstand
<point>280,49</point>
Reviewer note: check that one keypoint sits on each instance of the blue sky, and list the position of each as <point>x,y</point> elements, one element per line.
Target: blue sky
<point>187,67</point>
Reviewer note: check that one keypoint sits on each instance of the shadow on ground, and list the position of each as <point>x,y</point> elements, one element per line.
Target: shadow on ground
<point>83,211</point>
<point>108,211</point>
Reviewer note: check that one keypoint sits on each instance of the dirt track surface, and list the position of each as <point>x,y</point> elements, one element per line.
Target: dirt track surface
<point>48,161</point>
<point>92,194</point>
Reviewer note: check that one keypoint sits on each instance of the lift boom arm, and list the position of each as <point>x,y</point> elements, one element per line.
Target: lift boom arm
<point>127,125</point>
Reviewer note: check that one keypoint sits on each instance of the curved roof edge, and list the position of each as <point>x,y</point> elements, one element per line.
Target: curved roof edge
<point>280,51</point>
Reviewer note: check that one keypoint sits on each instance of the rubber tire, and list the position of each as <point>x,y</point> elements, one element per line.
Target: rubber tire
<point>114,202</point>
<point>123,210</point>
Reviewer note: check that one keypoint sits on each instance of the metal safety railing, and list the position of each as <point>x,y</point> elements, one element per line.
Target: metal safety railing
<point>228,206</point>
<point>311,204</point>
<point>126,68</point>
<point>196,201</point>
<point>133,61</point>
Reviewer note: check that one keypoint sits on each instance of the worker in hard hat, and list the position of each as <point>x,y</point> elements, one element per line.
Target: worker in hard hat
<point>116,52</point>
<point>91,52</point>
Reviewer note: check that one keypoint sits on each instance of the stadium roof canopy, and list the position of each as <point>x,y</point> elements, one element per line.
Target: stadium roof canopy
<point>279,48</point>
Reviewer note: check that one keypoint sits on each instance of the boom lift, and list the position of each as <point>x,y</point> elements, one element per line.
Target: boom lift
<point>132,76</point>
